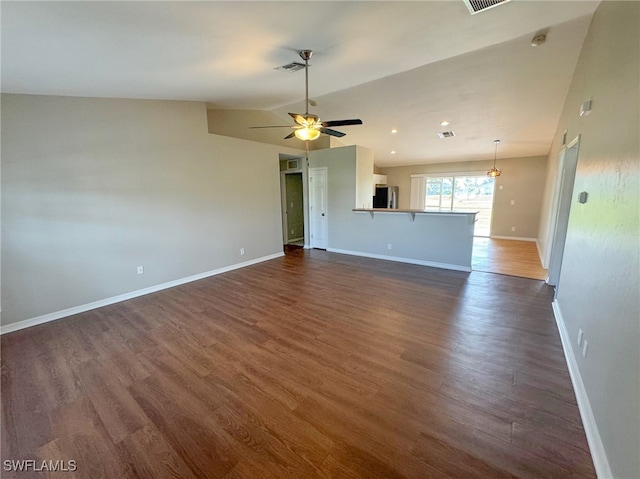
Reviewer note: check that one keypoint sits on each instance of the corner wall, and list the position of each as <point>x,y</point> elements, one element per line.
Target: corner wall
<point>599,286</point>
<point>92,188</point>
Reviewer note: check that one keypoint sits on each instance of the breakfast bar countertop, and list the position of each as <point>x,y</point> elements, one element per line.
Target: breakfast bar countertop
<point>415,211</point>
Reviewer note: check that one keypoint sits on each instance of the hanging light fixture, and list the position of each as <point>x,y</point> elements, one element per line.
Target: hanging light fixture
<point>494,172</point>
<point>311,123</point>
<point>310,128</point>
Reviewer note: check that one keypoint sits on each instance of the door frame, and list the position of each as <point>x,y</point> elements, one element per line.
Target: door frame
<point>305,197</point>
<point>563,197</point>
<point>284,201</point>
<point>326,199</point>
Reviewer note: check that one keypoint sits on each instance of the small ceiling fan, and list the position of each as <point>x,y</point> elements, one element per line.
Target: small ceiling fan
<point>308,127</point>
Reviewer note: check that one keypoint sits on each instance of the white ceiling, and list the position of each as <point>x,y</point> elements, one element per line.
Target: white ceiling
<point>404,65</point>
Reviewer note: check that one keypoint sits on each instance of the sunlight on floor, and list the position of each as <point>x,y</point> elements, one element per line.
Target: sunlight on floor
<point>511,257</point>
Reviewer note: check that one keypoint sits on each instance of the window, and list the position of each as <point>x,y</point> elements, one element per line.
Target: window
<point>466,193</point>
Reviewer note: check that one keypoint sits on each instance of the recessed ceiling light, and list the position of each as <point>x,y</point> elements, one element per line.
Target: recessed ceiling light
<point>445,123</point>
<point>393,152</point>
<point>394,131</point>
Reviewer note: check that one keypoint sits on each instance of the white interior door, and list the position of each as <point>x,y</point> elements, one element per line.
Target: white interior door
<point>569,163</point>
<point>318,207</point>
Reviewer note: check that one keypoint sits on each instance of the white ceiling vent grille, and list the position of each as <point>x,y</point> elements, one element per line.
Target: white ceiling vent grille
<point>291,67</point>
<point>446,134</point>
<point>477,6</point>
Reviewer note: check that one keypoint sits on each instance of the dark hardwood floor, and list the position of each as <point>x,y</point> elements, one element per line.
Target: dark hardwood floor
<point>315,365</point>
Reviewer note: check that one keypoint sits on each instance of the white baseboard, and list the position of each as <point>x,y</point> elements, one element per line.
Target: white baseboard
<point>598,454</point>
<point>455,267</point>
<point>27,323</point>
<point>515,238</point>
<point>540,255</point>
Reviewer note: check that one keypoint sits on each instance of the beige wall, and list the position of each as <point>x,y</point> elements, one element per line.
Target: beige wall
<point>364,177</point>
<point>522,180</point>
<point>599,287</point>
<point>91,188</point>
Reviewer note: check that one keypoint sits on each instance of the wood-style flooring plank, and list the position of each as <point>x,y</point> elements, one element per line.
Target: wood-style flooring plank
<point>313,365</point>
<point>188,429</point>
<point>504,256</point>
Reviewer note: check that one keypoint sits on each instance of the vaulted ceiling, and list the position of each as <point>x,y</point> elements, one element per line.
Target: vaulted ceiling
<point>396,65</point>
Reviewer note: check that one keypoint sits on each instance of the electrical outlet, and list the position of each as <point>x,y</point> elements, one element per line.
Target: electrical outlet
<point>140,269</point>
<point>388,245</point>
<point>513,228</point>
<point>241,251</point>
<point>512,202</point>
<point>585,347</point>
<point>580,337</point>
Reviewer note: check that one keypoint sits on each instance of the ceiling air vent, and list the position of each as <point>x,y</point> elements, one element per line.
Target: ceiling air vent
<point>477,6</point>
<point>291,67</point>
<point>446,134</point>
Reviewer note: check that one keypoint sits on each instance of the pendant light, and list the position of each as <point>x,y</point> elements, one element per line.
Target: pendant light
<point>494,172</point>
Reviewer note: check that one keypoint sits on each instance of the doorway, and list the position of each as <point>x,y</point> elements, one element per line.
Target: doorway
<point>294,209</point>
<point>294,202</point>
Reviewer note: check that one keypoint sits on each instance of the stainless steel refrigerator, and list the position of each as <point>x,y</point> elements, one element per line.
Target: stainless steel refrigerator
<point>386,197</point>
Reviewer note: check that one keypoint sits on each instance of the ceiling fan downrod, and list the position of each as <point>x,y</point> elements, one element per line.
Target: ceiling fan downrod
<point>306,55</point>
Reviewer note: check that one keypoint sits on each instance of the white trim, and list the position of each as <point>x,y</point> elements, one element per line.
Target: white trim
<point>45,318</point>
<point>540,255</point>
<point>598,454</point>
<point>516,238</point>
<point>454,267</point>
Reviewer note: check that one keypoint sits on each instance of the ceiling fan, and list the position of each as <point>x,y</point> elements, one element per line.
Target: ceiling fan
<point>308,127</point>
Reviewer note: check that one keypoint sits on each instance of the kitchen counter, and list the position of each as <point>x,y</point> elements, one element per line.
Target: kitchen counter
<point>437,238</point>
<point>412,212</point>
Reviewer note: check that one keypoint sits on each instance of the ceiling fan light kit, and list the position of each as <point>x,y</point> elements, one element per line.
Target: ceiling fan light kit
<point>307,133</point>
<point>308,127</point>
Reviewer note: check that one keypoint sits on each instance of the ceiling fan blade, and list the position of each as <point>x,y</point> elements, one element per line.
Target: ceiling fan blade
<point>299,119</point>
<point>290,135</point>
<point>273,126</point>
<point>331,132</point>
<point>305,119</point>
<point>355,121</point>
